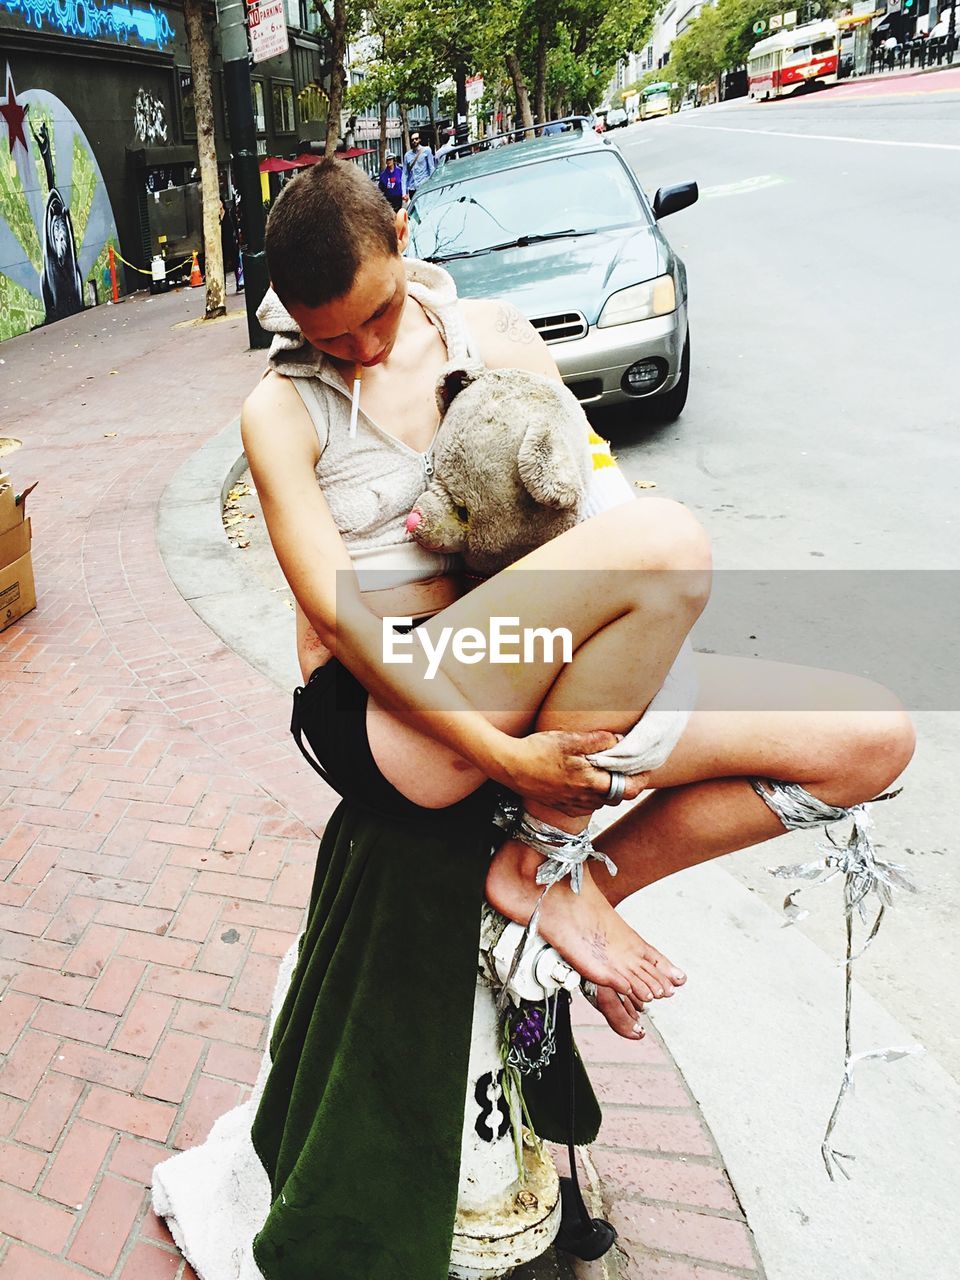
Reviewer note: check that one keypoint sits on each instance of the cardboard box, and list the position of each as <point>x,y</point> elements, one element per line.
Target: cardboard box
<point>18,593</point>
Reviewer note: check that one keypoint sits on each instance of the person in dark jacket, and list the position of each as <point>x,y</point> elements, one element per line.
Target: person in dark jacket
<point>390,181</point>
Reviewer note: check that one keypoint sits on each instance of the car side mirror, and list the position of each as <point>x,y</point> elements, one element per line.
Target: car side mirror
<point>672,199</point>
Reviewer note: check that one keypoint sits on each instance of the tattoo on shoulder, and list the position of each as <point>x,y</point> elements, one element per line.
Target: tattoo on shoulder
<point>513,324</point>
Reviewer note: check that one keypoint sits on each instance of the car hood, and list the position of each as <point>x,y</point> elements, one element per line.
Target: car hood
<point>564,275</point>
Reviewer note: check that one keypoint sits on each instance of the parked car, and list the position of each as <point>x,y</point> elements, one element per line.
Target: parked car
<point>562,228</point>
<point>617,118</point>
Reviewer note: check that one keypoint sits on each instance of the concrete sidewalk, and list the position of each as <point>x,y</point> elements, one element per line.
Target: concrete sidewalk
<point>158,837</point>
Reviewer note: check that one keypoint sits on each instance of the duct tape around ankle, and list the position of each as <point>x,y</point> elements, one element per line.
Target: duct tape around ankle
<point>564,852</point>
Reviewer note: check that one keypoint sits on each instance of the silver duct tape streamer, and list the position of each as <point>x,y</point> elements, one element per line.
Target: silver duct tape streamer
<point>864,874</point>
<point>564,852</point>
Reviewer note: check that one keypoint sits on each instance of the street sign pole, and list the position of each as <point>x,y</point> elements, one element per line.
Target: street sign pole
<point>462,128</point>
<point>243,158</point>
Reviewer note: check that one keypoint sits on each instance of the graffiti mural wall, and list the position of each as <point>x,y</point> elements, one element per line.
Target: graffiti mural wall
<point>56,220</point>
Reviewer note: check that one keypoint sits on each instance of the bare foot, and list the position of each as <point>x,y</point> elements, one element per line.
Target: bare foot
<point>583,927</point>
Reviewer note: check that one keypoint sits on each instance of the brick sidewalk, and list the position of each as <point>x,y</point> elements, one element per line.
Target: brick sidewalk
<point>158,837</point>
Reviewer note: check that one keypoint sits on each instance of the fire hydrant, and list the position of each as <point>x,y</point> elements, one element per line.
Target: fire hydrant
<point>503,1218</point>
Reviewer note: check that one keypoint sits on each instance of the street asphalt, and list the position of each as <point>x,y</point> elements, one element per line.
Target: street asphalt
<point>820,448</point>
<point>821,433</point>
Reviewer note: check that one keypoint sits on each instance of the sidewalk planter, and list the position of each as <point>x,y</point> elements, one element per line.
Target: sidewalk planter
<point>18,593</point>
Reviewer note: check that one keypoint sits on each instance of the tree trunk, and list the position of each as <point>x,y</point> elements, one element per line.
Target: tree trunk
<point>540,91</point>
<point>404,129</point>
<point>520,89</point>
<point>383,135</point>
<point>198,43</point>
<point>338,75</point>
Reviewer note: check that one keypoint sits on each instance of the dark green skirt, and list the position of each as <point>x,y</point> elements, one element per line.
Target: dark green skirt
<point>360,1123</point>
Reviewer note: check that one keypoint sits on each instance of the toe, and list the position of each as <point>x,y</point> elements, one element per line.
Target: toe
<point>653,980</point>
<point>641,987</point>
<point>666,967</point>
<point>621,1013</point>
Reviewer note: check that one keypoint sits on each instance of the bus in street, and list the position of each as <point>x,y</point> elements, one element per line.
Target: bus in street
<point>655,100</point>
<point>786,60</point>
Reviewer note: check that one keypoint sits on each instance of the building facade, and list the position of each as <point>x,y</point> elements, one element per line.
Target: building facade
<point>97,129</point>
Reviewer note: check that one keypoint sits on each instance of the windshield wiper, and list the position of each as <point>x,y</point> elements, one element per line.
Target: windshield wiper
<point>521,242</point>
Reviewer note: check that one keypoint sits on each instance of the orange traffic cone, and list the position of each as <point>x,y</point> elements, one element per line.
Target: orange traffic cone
<point>196,279</point>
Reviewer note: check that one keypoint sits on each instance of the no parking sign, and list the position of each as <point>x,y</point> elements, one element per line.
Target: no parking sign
<point>268,29</point>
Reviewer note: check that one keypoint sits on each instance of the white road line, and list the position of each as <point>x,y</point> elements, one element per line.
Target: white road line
<point>823,137</point>
<point>743,186</point>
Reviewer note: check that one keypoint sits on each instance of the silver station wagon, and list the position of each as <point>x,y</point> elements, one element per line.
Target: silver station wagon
<point>560,226</point>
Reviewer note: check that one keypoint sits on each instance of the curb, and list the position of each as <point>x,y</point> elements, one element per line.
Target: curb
<point>205,569</point>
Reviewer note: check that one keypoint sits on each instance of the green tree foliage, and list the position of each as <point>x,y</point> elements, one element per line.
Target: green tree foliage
<point>559,54</point>
<point>697,57</point>
<point>414,47</point>
<point>579,43</point>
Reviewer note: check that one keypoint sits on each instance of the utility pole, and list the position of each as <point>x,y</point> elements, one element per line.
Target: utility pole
<point>243,155</point>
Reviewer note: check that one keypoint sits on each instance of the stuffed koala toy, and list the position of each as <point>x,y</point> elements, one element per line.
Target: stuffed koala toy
<point>512,464</point>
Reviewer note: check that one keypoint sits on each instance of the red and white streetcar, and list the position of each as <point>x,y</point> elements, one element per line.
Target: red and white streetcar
<point>786,60</point>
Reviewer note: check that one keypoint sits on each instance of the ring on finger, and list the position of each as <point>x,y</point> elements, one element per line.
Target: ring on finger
<point>618,785</point>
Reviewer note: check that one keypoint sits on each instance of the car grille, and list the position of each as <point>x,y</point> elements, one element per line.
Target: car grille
<point>560,328</point>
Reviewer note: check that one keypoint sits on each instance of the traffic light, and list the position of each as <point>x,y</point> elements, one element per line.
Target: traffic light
<point>908,4</point>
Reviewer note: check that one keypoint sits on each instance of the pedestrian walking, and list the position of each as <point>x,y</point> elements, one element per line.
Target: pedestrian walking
<point>230,241</point>
<point>390,181</point>
<point>418,164</point>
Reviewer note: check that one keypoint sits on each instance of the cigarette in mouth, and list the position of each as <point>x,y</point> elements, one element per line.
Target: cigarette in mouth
<point>355,402</point>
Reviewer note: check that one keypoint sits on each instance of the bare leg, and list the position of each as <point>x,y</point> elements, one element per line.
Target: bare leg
<point>702,807</point>
<point>594,940</point>
<point>700,811</point>
<point>628,628</point>
<point>644,566</point>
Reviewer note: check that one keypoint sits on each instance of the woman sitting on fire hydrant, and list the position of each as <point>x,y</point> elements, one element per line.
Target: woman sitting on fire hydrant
<point>359,1124</point>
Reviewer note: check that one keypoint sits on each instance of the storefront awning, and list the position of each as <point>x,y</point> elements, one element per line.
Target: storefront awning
<point>273,164</point>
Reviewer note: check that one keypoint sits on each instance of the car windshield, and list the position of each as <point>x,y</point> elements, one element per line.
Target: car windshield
<point>569,195</point>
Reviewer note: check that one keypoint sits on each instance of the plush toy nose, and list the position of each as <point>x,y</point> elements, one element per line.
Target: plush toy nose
<point>414,519</point>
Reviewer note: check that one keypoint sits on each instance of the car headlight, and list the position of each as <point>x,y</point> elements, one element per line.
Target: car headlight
<point>640,302</point>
